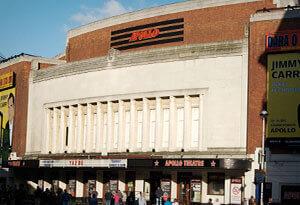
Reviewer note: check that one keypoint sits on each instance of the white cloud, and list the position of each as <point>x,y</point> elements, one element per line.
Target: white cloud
<point>108,9</point>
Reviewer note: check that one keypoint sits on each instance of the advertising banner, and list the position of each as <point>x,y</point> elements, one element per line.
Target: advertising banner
<point>283,98</point>
<point>84,163</point>
<point>236,191</point>
<point>7,111</point>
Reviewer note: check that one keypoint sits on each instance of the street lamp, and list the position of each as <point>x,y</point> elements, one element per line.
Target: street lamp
<point>263,114</point>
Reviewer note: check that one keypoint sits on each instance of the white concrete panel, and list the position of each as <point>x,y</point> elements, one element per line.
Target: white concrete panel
<point>221,76</point>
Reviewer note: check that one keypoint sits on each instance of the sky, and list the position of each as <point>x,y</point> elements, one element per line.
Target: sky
<point>39,27</point>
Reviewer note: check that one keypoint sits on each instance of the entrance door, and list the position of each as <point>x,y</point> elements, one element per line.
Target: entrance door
<point>189,189</point>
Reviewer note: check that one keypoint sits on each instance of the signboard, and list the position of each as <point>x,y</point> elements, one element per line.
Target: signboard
<point>161,32</point>
<point>236,191</point>
<point>84,163</point>
<point>187,163</point>
<point>7,113</point>
<point>283,41</point>
<point>283,97</point>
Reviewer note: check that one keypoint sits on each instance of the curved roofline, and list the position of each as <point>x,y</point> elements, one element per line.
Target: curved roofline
<point>151,12</point>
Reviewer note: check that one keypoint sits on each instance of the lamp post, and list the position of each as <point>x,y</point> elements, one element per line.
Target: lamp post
<point>263,115</point>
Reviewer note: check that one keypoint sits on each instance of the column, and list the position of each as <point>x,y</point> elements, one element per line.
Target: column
<point>62,130</point>
<point>55,130</point>
<point>89,133</point>
<point>145,141</point>
<point>79,184</point>
<point>158,134</point>
<point>133,141</point>
<point>173,136</point>
<point>139,182</point>
<point>79,137</point>
<point>99,183</point>
<point>62,180</point>
<point>187,123</point>
<point>110,137</point>
<point>121,142</point>
<point>121,182</point>
<point>47,138</point>
<point>99,132</point>
<point>204,197</point>
<point>173,185</point>
<point>226,190</point>
<point>72,145</point>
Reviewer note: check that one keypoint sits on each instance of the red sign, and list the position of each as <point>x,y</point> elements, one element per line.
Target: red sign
<point>146,34</point>
<point>76,162</point>
<point>236,181</point>
<point>283,41</point>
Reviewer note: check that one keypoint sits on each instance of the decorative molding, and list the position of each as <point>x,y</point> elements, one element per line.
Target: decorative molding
<point>152,12</point>
<point>275,15</point>
<point>167,54</point>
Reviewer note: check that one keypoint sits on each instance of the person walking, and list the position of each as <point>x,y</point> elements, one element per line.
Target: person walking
<point>108,197</point>
<point>141,199</point>
<point>130,200</point>
<point>66,198</point>
<point>158,196</point>
<point>93,200</point>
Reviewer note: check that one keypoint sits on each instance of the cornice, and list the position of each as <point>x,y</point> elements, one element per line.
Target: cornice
<point>128,59</point>
<point>269,15</point>
<point>33,59</point>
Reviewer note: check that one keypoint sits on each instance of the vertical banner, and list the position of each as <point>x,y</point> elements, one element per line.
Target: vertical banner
<point>284,99</point>
<point>7,112</point>
<point>236,191</point>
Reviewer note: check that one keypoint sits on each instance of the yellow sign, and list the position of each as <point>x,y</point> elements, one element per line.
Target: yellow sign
<point>6,80</point>
<point>283,95</point>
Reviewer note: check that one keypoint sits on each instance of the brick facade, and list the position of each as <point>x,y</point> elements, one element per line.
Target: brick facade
<point>257,90</point>
<point>215,24</point>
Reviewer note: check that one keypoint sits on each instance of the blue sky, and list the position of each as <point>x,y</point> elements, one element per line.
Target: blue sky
<point>39,27</point>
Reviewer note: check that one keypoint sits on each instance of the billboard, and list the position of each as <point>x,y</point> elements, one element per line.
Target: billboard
<point>7,111</point>
<point>284,98</point>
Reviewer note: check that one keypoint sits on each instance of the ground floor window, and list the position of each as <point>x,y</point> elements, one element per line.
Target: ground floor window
<point>216,183</point>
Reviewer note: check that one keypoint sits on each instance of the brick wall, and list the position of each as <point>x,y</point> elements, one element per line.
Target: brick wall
<point>223,23</point>
<point>257,74</point>
<point>21,71</point>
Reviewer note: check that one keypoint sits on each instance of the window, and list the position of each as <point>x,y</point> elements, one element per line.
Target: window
<point>180,127</point>
<point>127,129</point>
<point>195,126</point>
<point>166,127</point>
<point>116,129</point>
<point>216,183</point>
<point>139,128</point>
<point>104,130</point>
<point>152,127</point>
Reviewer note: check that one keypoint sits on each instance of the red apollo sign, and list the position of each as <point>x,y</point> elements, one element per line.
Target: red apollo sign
<point>145,34</point>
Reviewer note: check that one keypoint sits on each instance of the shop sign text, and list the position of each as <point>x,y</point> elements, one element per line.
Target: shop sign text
<point>281,41</point>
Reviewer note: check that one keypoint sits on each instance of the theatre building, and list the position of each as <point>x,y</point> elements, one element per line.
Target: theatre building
<point>275,57</point>
<point>157,97</point>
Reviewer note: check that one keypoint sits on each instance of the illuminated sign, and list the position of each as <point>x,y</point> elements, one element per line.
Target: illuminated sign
<point>141,35</point>
<point>283,97</point>
<point>283,41</point>
<point>161,32</point>
<point>196,163</point>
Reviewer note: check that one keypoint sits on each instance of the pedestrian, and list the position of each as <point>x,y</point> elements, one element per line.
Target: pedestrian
<point>168,202</point>
<point>93,200</point>
<point>65,198</point>
<point>142,200</point>
<point>130,199</point>
<point>175,202</point>
<point>252,201</point>
<point>116,198</point>
<point>124,198</point>
<point>108,197</point>
<point>210,202</point>
<point>158,196</point>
